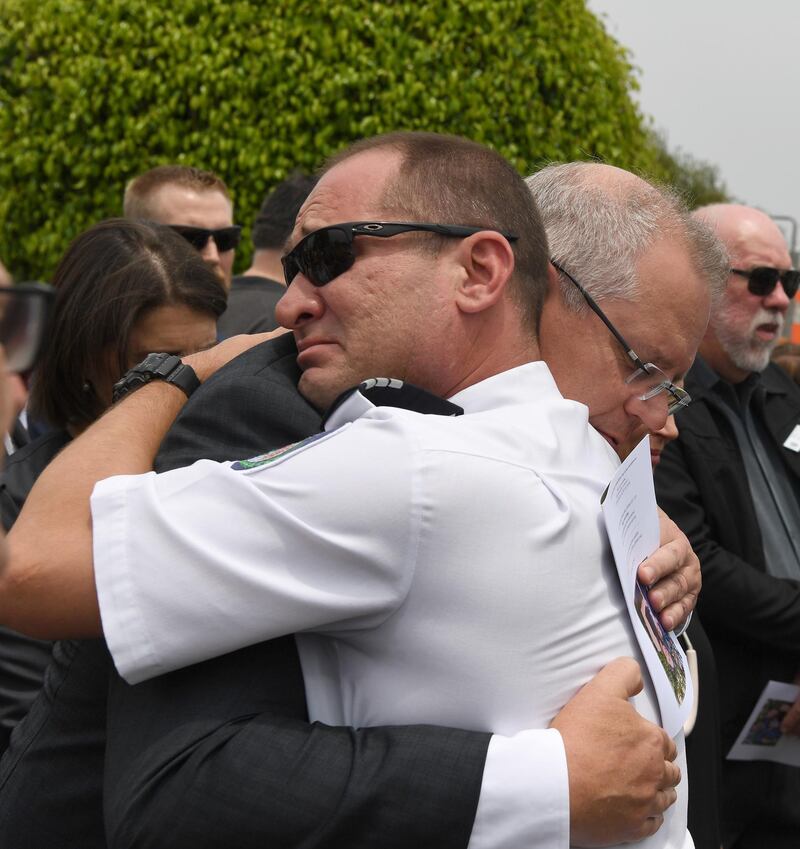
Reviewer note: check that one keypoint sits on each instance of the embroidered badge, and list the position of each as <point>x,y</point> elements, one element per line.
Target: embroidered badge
<point>276,454</point>
<point>793,440</point>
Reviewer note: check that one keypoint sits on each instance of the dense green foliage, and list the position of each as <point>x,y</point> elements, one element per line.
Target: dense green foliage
<point>92,93</point>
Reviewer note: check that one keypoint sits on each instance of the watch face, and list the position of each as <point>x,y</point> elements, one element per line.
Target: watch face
<point>148,361</point>
<point>152,362</point>
<point>138,375</point>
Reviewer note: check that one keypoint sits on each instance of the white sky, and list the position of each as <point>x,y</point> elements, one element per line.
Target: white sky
<point>722,79</point>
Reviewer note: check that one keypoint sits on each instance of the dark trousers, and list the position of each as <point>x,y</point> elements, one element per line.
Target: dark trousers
<point>760,805</point>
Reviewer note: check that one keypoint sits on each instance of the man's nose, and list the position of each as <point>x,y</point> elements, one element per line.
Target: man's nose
<point>670,429</point>
<point>210,252</point>
<point>652,413</point>
<point>777,299</point>
<point>301,303</point>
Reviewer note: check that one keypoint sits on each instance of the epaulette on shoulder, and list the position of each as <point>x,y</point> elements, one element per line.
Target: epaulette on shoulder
<point>387,392</point>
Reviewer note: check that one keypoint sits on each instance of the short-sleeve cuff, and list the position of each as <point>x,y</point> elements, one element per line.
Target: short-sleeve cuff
<point>524,801</point>
<point>123,628</point>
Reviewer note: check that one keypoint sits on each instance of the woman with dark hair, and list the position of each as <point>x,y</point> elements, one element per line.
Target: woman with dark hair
<point>123,289</point>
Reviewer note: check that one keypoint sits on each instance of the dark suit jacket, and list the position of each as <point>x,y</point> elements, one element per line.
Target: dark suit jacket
<point>22,660</point>
<point>49,777</point>
<point>251,306</point>
<point>703,746</point>
<point>752,619</point>
<point>221,754</point>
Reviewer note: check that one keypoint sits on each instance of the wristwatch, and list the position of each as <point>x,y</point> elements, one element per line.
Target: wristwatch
<point>166,367</point>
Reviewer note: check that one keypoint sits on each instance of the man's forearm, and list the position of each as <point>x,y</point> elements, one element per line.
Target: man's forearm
<point>47,589</point>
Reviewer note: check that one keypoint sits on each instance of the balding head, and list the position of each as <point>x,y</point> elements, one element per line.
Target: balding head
<point>653,269</point>
<point>744,326</point>
<point>600,220</point>
<point>743,229</point>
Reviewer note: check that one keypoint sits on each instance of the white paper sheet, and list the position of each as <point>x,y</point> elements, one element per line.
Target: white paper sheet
<point>631,517</point>
<point>761,738</point>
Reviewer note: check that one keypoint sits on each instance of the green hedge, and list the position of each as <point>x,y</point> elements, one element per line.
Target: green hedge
<point>92,93</point>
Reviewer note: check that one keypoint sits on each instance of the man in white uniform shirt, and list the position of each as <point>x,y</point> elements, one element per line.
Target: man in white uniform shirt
<point>376,529</point>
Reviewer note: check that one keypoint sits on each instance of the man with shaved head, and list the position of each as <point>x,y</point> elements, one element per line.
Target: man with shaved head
<point>732,482</point>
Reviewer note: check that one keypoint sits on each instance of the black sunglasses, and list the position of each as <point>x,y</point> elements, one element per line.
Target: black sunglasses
<point>328,252</point>
<point>226,238</point>
<point>24,310</point>
<point>761,281</point>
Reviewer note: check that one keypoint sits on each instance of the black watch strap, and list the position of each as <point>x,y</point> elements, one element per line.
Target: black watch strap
<point>165,367</point>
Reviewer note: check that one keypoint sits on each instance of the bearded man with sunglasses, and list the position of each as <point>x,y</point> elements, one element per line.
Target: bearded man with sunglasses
<point>447,303</point>
<point>196,204</point>
<point>731,480</point>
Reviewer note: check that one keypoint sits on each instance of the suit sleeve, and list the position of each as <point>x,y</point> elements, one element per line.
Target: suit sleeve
<point>237,419</point>
<point>222,753</point>
<point>736,597</point>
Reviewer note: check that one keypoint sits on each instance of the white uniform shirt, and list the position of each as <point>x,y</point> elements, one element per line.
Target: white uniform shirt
<point>439,570</point>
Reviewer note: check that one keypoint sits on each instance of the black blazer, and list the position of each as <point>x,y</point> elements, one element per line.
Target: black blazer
<point>752,619</point>
<point>59,744</point>
<point>221,754</point>
<point>23,660</point>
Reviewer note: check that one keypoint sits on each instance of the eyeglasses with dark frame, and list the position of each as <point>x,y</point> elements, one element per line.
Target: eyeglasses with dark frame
<point>762,280</point>
<point>328,252</point>
<point>225,238</point>
<point>678,398</point>
<point>24,310</point>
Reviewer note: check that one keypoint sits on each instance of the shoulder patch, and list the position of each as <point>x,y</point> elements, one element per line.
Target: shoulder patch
<point>276,454</point>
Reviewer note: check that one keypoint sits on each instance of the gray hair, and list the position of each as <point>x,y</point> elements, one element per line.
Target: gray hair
<point>598,229</point>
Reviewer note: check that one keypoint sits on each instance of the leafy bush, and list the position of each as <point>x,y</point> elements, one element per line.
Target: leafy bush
<point>93,93</point>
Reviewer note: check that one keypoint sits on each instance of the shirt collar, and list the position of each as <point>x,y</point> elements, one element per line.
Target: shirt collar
<point>521,384</point>
<point>517,385</point>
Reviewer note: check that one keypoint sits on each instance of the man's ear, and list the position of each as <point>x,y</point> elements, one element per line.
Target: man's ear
<point>486,263</point>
